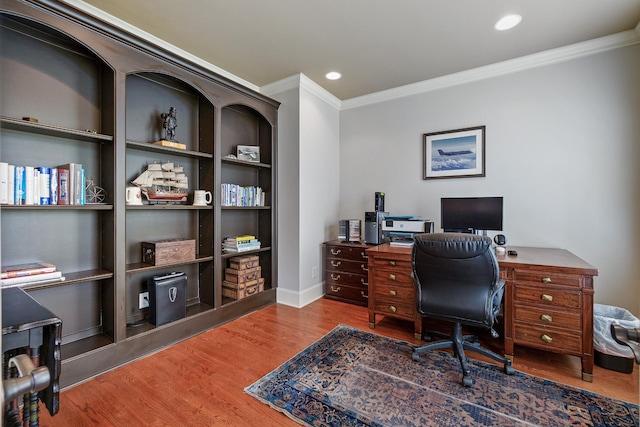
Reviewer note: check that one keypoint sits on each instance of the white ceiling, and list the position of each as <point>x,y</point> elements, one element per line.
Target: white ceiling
<point>375,44</point>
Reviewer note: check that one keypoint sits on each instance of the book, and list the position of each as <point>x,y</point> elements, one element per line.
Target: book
<point>63,186</point>
<point>29,196</point>
<point>4,183</point>
<point>31,278</point>
<point>45,185</point>
<point>31,283</point>
<point>53,186</point>
<point>74,177</point>
<point>27,269</point>
<point>18,185</point>
<point>171,144</point>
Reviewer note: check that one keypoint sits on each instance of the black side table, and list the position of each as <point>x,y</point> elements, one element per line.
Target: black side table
<point>29,328</point>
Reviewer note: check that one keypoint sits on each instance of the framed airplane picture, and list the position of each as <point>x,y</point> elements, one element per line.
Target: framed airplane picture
<point>455,153</point>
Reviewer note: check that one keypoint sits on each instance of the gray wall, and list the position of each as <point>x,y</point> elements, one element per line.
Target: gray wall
<point>562,147</point>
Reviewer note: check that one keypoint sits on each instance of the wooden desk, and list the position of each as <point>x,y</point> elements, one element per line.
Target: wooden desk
<point>548,302</point>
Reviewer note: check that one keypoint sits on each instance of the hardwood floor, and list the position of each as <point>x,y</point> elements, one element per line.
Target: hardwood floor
<point>201,381</point>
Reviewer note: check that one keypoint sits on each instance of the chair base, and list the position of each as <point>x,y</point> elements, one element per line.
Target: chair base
<point>459,343</point>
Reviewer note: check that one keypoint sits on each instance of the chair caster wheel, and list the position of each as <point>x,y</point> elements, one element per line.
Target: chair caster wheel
<point>415,356</point>
<point>468,381</point>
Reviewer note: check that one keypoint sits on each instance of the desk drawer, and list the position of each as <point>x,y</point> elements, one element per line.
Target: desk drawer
<point>354,294</point>
<point>548,279</point>
<point>396,264</point>
<point>544,317</point>
<point>350,279</point>
<point>547,296</point>
<point>396,277</point>
<point>548,338</point>
<point>395,308</point>
<point>347,252</point>
<point>358,267</point>
<point>395,294</point>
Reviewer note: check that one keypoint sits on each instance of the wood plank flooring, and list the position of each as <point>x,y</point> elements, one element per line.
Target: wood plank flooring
<point>201,381</point>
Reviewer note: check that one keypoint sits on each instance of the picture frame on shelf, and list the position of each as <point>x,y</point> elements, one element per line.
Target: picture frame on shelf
<point>458,153</point>
<point>249,153</point>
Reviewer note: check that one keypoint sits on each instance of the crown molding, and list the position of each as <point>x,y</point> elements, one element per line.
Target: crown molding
<point>523,63</point>
<point>110,19</point>
<point>300,81</point>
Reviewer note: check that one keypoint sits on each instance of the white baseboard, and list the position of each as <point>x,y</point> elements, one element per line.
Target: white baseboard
<point>299,299</point>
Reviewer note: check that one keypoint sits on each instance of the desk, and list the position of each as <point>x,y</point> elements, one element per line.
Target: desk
<point>28,327</point>
<point>548,302</point>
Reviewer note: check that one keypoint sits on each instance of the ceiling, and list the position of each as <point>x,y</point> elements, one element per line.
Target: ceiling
<point>375,44</point>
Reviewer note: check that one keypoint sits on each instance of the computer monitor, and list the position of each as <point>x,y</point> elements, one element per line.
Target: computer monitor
<point>471,214</point>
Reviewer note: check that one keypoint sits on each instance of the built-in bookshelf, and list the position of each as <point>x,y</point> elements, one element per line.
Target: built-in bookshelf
<point>97,94</point>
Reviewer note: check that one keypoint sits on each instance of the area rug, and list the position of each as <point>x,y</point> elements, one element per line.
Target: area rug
<point>355,378</point>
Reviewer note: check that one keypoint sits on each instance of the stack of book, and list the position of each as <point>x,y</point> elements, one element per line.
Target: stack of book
<point>240,244</point>
<point>30,274</point>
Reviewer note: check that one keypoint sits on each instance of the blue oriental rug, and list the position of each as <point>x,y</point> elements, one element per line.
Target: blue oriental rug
<point>355,378</point>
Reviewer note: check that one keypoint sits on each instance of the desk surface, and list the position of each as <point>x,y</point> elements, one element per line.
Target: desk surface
<point>527,257</point>
<point>21,312</point>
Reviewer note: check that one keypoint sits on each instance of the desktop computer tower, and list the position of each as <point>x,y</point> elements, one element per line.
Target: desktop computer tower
<point>373,227</point>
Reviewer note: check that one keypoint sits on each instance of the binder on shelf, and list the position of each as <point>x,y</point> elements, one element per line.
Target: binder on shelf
<point>167,298</point>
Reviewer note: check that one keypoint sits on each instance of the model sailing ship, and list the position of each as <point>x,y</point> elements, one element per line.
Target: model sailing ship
<point>163,183</point>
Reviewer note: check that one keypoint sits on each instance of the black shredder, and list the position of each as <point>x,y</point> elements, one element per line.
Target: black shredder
<point>167,298</point>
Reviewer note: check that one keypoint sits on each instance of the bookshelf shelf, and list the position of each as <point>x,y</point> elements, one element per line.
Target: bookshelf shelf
<point>142,267</point>
<point>245,163</point>
<point>52,130</point>
<point>146,146</point>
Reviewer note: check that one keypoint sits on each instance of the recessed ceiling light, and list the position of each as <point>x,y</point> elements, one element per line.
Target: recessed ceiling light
<point>507,22</point>
<point>333,75</point>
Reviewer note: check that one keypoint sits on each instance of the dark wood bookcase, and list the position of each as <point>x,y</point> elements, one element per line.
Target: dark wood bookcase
<point>98,93</point>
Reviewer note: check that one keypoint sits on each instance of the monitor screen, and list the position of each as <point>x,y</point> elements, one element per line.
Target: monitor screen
<point>470,214</point>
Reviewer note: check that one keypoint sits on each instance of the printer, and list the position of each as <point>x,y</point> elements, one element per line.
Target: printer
<point>399,230</point>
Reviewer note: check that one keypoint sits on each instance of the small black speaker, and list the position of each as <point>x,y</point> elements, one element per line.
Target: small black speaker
<point>379,202</point>
<point>500,239</point>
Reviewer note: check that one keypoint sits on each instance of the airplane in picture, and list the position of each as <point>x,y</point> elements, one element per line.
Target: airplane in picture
<point>454,153</point>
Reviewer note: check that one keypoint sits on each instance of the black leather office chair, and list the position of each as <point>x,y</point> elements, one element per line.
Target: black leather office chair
<point>457,280</point>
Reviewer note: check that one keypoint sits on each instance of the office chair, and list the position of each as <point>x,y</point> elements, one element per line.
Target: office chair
<point>457,280</point>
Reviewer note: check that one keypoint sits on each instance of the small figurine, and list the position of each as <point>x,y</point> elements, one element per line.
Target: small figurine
<point>170,123</point>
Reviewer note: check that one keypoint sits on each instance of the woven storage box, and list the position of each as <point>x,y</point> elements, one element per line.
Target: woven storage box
<point>242,290</point>
<point>244,262</point>
<point>162,252</point>
<point>242,276</point>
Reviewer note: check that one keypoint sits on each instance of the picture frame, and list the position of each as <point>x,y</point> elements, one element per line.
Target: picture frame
<point>249,153</point>
<point>458,153</point>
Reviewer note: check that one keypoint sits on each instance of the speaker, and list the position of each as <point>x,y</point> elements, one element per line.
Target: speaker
<point>500,239</point>
<point>379,206</point>
<point>373,227</point>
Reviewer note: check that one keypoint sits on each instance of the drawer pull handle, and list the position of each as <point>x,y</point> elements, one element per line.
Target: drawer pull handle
<point>364,267</point>
<point>392,309</point>
<point>335,251</point>
<point>547,297</point>
<point>546,338</point>
<point>392,263</point>
<point>335,277</point>
<point>546,318</point>
<point>393,293</point>
<point>363,255</point>
<point>335,289</point>
<point>364,282</point>
<point>546,280</point>
<point>364,294</point>
<point>336,263</point>
<point>392,276</point>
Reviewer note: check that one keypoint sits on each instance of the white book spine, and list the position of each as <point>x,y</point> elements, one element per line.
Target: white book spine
<point>4,183</point>
<point>53,186</point>
<point>28,185</point>
<point>45,185</point>
<point>32,278</point>
<point>12,184</point>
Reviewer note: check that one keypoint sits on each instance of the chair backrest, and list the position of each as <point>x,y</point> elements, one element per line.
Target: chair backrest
<point>457,278</point>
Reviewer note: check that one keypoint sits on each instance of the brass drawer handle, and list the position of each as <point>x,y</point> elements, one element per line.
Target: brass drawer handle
<point>364,282</point>
<point>364,267</point>
<point>546,318</point>
<point>334,289</point>
<point>392,309</point>
<point>336,263</point>
<point>547,297</point>
<point>546,280</point>
<point>393,293</point>
<point>392,276</point>
<point>335,277</point>
<point>392,263</point>
<point>364,294</point>
<point>335,251</point>
<point>546,338</point>
<point>363,254</point>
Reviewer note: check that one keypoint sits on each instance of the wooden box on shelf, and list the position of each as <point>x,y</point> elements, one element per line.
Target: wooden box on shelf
<point>242,276</point>
<point>242,290</point>
<point>161,252</point>
<point>244,262</point>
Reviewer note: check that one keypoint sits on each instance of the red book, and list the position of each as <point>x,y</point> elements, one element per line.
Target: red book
<point>29,269</point>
